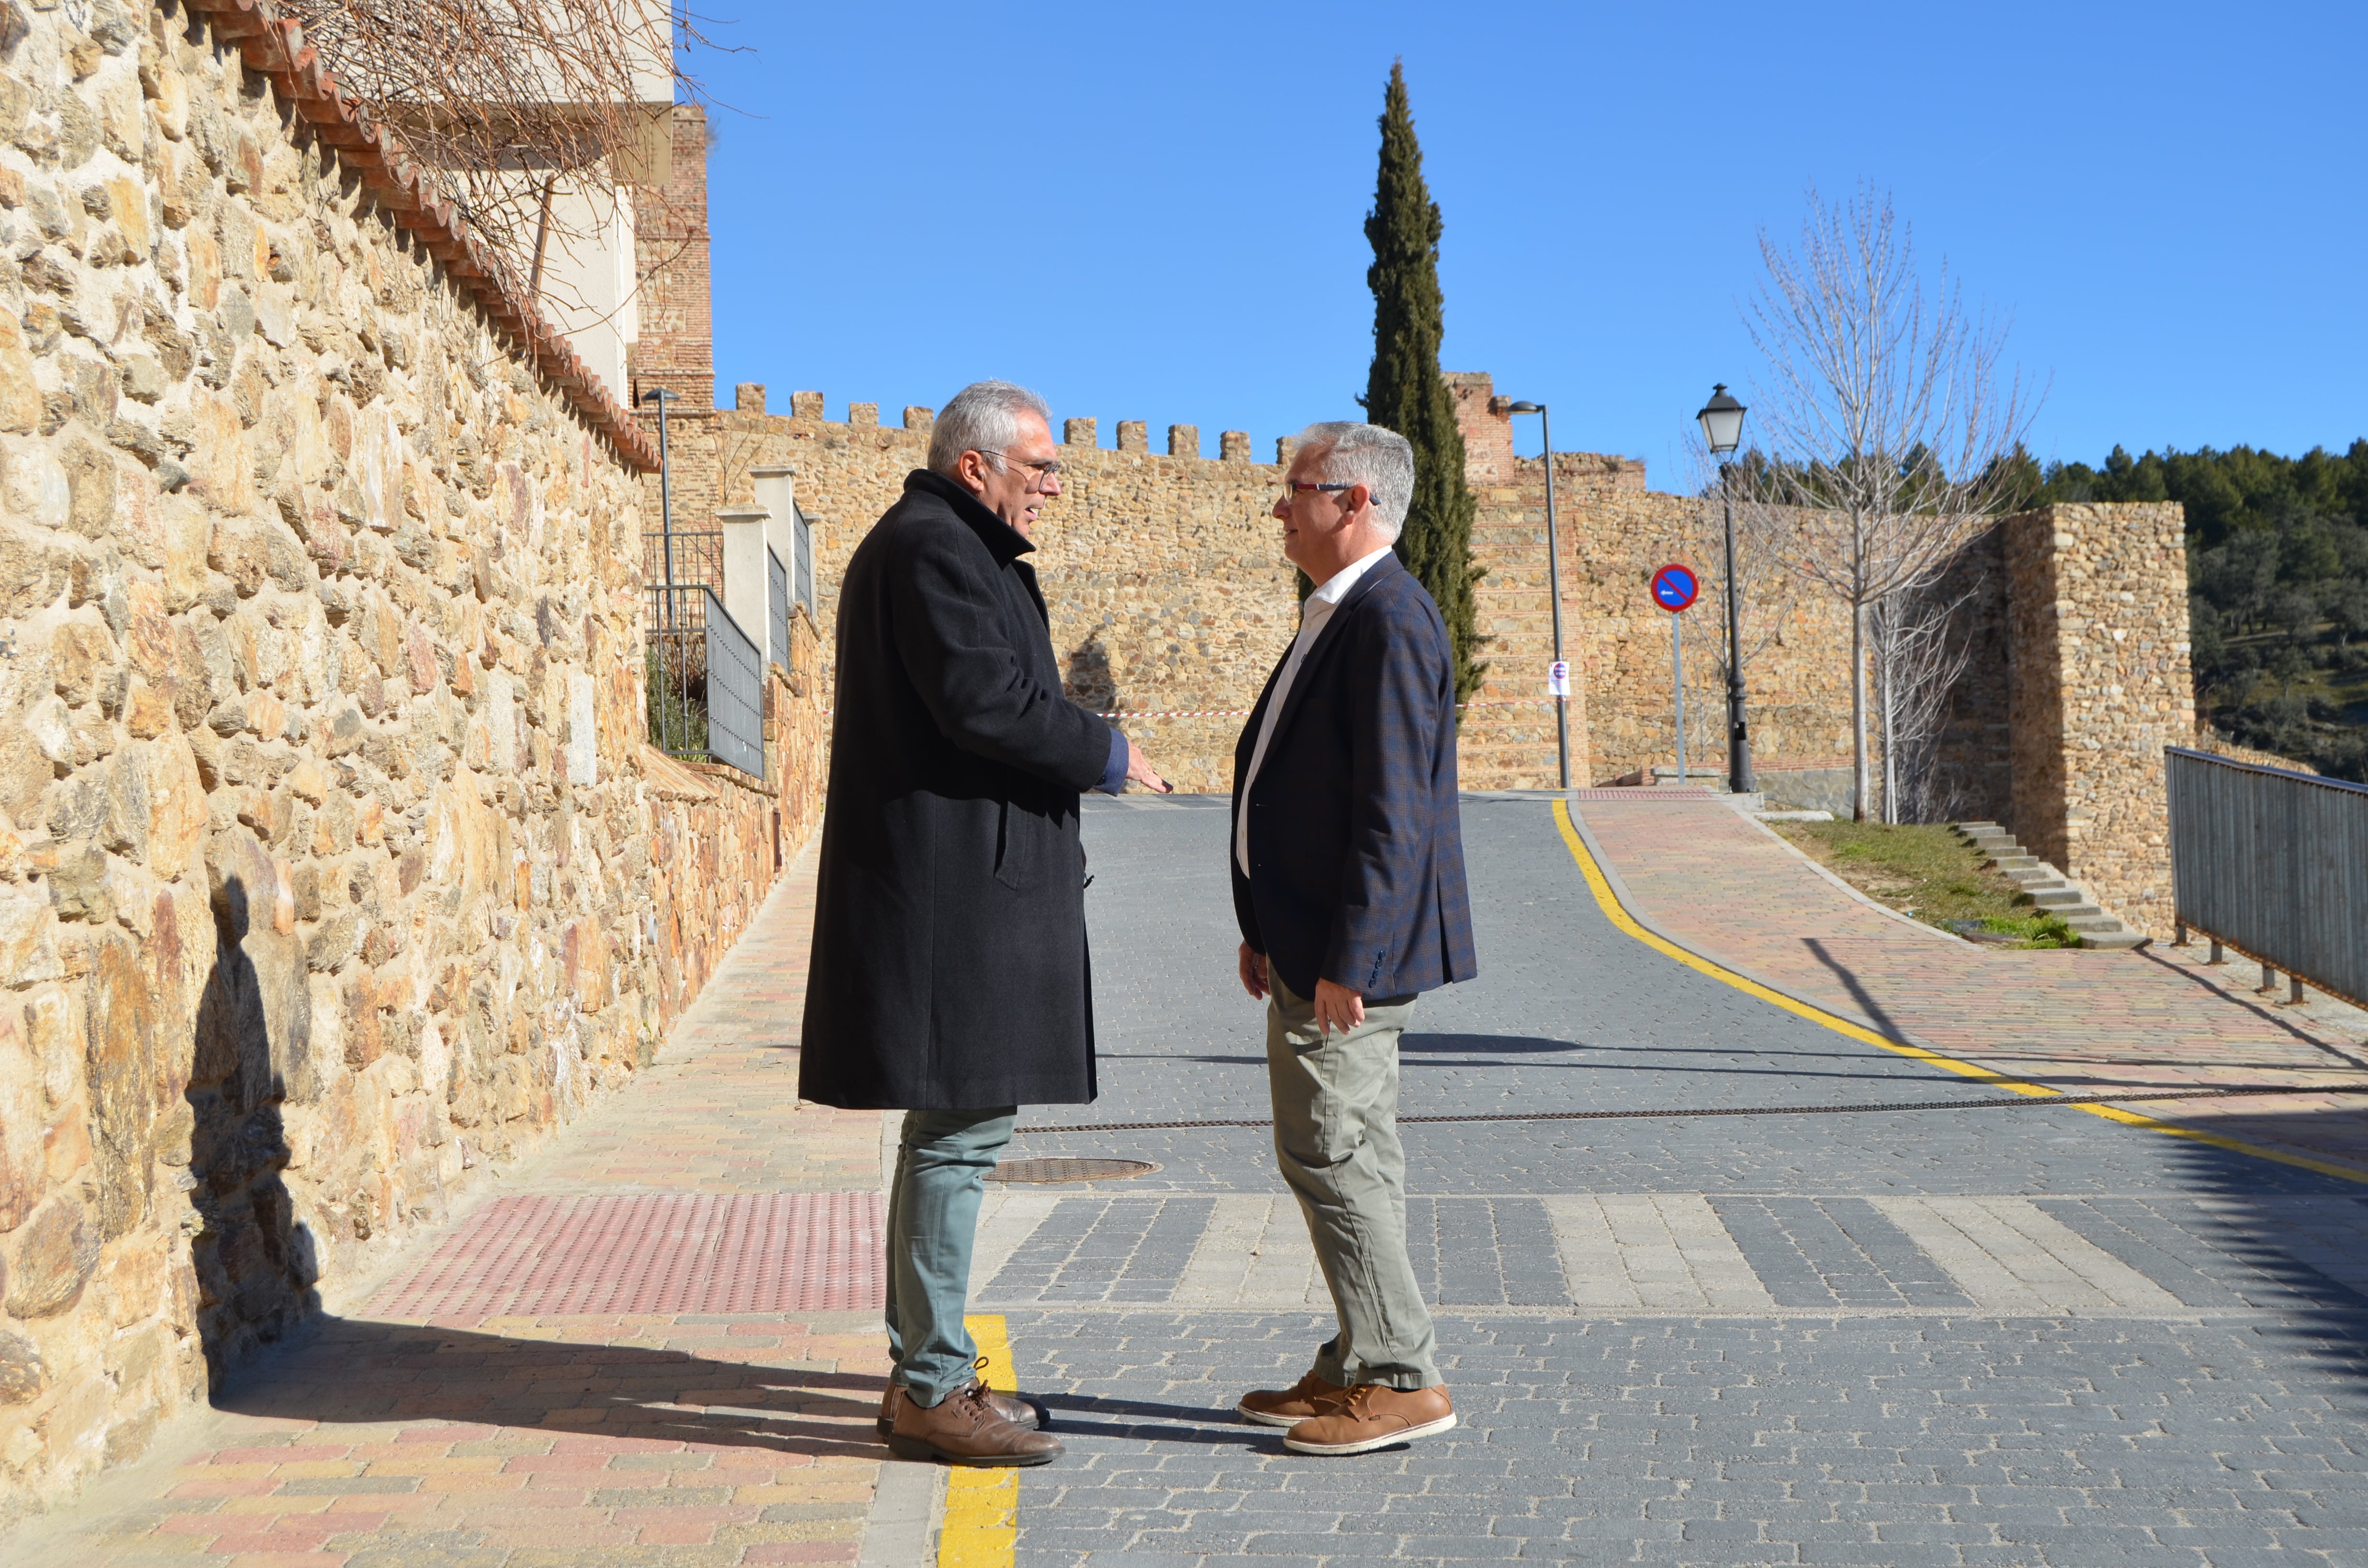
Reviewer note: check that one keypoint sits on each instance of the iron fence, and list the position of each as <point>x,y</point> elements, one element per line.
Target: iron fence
<point>706,696</point>
<point>777,605</point>
<point>698,560</point>
<point>2273,864</point>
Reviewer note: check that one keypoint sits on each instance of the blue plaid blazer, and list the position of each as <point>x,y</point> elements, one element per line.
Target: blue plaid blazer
<point>1356,846</point>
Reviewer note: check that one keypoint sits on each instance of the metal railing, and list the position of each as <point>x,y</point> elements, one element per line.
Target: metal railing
<point>2273,864</point>
<point>706,694</point>
<point>804,591</point>
<point>698,558</point>
<point>777,605</point>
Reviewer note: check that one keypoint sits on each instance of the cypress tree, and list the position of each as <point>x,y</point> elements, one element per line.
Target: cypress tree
<point>1405,392</point>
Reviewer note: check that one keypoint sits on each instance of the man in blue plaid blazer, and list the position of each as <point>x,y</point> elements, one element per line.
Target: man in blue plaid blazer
<point>1348,871</point>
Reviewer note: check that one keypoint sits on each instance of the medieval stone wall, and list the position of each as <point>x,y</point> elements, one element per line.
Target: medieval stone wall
<point>1614,533</point>
<point>1168,592</point>
<point>334,867</point>
<point>2099,683</point>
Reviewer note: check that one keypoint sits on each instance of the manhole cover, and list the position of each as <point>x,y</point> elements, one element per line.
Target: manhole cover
<point>1070,1170</point>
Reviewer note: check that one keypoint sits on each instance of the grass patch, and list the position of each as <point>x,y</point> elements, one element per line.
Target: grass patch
<point>1930,873</point>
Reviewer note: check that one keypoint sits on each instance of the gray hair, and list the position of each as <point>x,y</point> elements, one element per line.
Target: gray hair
<point>983,417</point>
<point>1382,460</point>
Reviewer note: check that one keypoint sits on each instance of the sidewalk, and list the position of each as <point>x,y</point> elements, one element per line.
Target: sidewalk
<point>2157,1017</point>
<point>657,1342</point>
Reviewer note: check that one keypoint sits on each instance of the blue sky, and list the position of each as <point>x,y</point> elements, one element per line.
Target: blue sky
<point>1157,212</point>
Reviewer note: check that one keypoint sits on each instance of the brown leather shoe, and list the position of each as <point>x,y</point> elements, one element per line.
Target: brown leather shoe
<point>964,1428</point>
<point>1017,1411</point>
<point>1371,1417</point>
<point>1301,1402</point>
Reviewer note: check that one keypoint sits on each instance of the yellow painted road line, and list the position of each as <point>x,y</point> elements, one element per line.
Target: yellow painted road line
<point>1610,904</point>
<point>981,1528</point>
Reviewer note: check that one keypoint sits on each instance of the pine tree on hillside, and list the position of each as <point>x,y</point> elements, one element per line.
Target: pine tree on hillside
<point>1405,392</point>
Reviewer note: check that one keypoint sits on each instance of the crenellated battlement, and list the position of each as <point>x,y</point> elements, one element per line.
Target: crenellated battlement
<point>1131,435</point>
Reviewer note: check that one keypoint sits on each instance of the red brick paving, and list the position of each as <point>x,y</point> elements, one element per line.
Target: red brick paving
<point>542,1254</point>
<point>2157,1018</point>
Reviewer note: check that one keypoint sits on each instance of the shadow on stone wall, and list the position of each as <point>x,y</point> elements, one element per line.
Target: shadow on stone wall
<point>256,1265</point>
<point>1089,681</point>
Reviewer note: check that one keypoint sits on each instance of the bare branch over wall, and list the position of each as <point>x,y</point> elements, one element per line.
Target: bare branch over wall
<point>1887,415</point>
<point>516,103</point>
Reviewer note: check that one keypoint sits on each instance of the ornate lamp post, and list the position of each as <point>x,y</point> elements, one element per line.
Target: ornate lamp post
<point>1553,586</point>
<point>1722,423</point>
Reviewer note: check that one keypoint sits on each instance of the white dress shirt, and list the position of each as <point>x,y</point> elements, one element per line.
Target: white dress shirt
<point>1312,617</point>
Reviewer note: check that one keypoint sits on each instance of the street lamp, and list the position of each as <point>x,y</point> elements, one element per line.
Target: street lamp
<point>662,396</point>
<point>1554,584</point>
<point>1722,423</point>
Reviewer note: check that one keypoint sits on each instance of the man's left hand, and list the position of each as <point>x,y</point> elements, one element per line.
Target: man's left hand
<point>1339,1007</point>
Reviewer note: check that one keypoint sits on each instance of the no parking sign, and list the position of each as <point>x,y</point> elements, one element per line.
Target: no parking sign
<point>1674,587</point>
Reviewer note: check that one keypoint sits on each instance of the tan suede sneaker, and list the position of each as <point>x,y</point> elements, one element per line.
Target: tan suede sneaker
<point>963,1429</point>
<point>1012,1408</point>
<point>1288,1408</point>
<point>1371,1417</point>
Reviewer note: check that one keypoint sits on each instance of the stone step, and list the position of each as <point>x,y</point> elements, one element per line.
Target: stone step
<point>1970,828</point>
<point>2012,863</point>
<point>2092,925</point>
<point>2112,941</point>
<point>2061,900</point>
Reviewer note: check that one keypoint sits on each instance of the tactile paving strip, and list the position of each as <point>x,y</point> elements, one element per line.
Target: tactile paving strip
<point>529,1256</point>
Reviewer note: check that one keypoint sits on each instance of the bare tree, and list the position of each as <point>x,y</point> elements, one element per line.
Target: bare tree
<point>535,114</point>
<point>1884,416</point>
<point>1919,651</point>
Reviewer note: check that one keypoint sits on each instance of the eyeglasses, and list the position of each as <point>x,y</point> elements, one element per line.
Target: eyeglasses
<point>1293,487</point>
<point>1049,469</point>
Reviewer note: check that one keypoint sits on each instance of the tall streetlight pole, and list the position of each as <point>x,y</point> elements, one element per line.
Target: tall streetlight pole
<point>1553,586</point>
<point>1722,423</point>
<point>662,396</point>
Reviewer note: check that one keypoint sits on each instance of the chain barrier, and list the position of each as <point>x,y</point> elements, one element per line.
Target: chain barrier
<point>2001,1103</point>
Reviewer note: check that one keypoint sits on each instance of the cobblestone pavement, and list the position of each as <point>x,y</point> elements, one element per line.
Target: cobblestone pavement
<point>1976,1336</point>
<point>487,1437</point>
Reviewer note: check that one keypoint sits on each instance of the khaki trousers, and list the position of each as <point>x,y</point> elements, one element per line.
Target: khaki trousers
<point>1335,1139</point>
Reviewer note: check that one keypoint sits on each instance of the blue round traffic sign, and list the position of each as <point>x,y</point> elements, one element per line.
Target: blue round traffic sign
<point>1674,587</point>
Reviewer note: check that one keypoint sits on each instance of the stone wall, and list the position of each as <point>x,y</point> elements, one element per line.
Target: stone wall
<point>334,867</point>
<point>2099,683</point>
<point>1169,593</point>
<point>1614,533</point>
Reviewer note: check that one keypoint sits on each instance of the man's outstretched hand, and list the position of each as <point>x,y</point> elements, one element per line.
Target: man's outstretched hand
<point>1139,768</point>
<point>1253,973</point>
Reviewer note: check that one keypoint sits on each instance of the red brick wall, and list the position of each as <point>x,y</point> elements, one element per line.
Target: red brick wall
<point>677,346</point>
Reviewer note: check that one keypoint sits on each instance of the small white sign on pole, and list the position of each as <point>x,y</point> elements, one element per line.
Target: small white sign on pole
<point>1558,678</point>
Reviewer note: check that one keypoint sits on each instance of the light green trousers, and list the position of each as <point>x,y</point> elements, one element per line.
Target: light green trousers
<point>1336,1138</point>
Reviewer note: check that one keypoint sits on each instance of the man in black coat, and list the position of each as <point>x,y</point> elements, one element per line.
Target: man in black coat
<point>1348,871</point>
<point>949,977</point>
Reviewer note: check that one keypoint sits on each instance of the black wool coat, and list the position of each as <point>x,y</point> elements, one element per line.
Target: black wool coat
<point>950,968</point>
